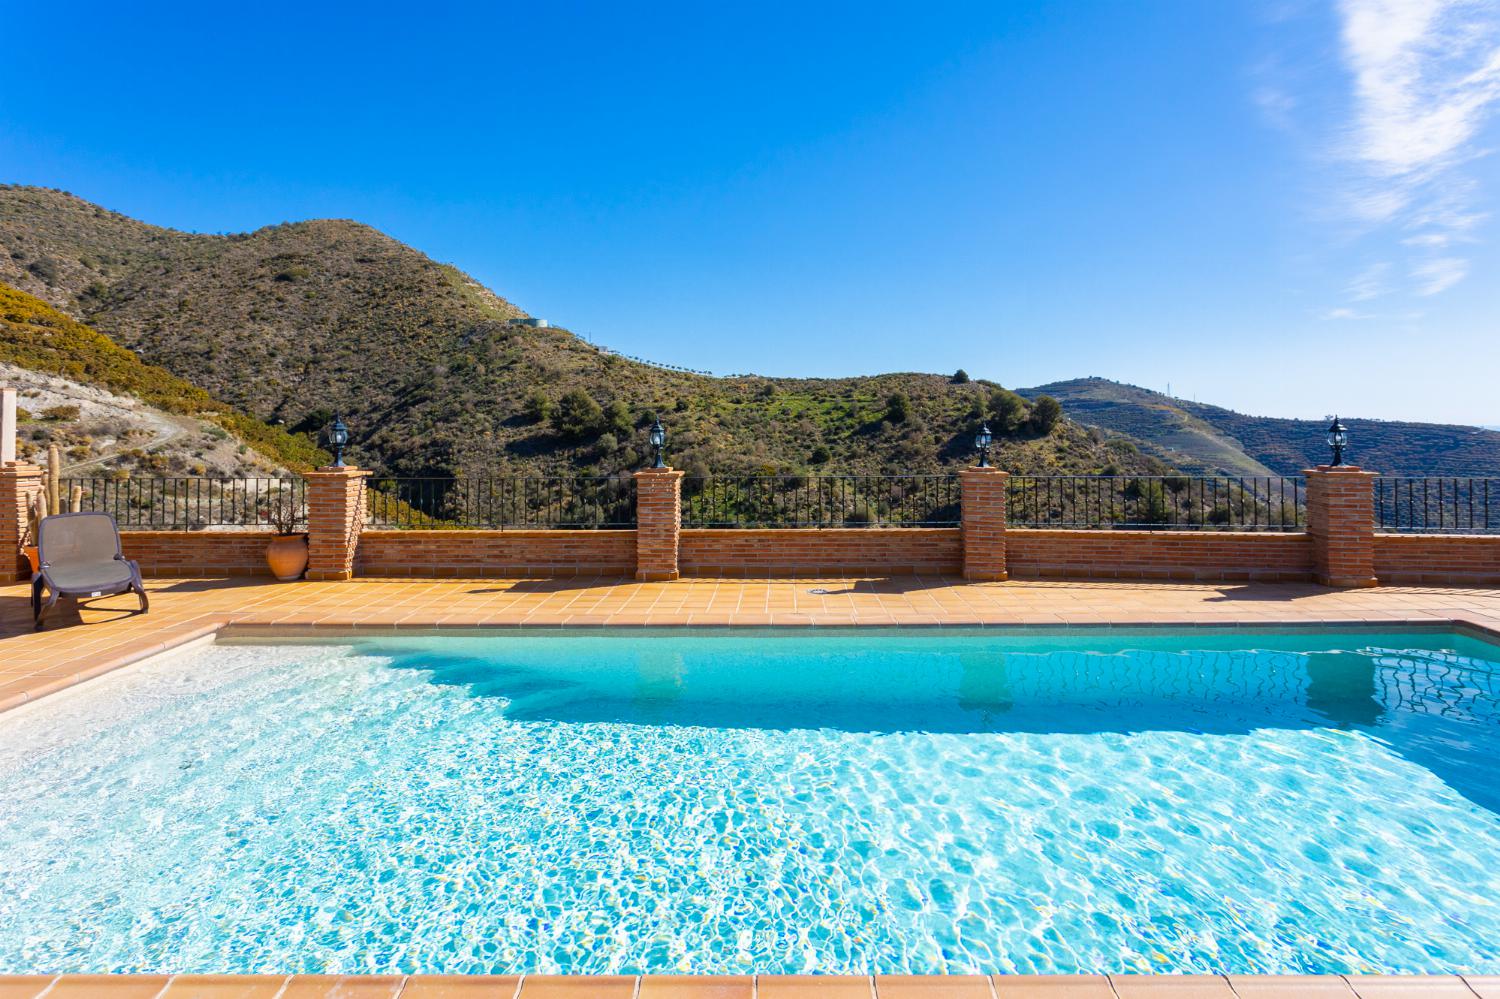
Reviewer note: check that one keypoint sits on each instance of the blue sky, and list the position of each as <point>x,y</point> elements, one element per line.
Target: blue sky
<point>1288,208</point>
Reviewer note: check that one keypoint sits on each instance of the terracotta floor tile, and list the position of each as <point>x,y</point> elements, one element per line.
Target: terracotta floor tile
<point>1171,987</point>
<point>697,987</point>
<point>343,987</point>
<point>461,987</point>
<point>813,987</point>
<point>1290,987</point>
<point>1409,987</point>
<point>577,987</point>
<point>24,986</point>
<point>1484,986</point>
<point>1052,987</point>
<point>224,987</point>
<point>932,987</point>
<point>108,987</point>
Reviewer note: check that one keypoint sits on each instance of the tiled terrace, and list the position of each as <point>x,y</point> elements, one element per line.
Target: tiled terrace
<point>105,635</point>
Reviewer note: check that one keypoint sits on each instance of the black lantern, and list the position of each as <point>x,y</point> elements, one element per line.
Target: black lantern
<point>982,442</point>
<point>338,436</point>
<point>658,441</point>
<point>1338,439</point>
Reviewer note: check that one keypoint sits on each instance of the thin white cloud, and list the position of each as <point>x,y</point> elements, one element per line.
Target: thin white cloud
<point>1345,314</point>
<point>1434,276</point>
<point>1426,76</point>
<point>1370,282</point>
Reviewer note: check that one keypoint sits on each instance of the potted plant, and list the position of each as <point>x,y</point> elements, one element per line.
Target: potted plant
<point>287,553</point>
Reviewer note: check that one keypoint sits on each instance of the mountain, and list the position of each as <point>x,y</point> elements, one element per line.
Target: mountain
<point>112,412</point>
<point>437,375</point>
<point>1202,438</point>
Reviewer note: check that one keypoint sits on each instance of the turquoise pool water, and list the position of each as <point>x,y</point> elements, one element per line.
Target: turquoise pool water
<point>712,802</point>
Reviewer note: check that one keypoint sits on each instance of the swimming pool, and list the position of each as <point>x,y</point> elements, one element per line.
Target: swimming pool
<point>776,801</point>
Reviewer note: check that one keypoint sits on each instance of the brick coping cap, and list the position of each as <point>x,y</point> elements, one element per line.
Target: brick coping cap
<point>659,471</point>
<point>1338,470</point>
<point>986,470</point>
<point>20,468</point>
<point>347,470</point>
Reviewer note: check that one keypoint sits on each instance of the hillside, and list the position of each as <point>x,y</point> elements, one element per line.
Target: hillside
<point>293,322</point>
<point>1199,437</point>
<point>109,411</point>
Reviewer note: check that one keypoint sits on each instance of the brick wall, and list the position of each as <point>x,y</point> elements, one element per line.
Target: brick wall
<point>826,552</point>
<point>335,518</point>
<point>1199,555</point>
<point>198,553</point>
<point>1437,559</point>
<point>496,553</point>
<point>1341,523</point>
<point>984,494</point>
<point>19,482</point>
<point>658,523</point>
<point>1400,559</point>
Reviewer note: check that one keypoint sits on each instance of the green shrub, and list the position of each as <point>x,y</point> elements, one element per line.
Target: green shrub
<point>1008,411</point>
<point>1045,413</point>
<point>578,416</point>
<point>616,419</point>
<point>537,407</point>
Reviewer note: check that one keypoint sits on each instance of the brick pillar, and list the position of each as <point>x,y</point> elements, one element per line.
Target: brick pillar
<point>658,522</point>
<point>983,492</point>
<point>335,517</point>
<point>1341,523</point>
<point>19,482</point>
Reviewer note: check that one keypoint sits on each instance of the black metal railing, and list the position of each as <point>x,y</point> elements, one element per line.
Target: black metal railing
<point>726,501</point>
<point>1158,502</point>
<point>574,502</point>
<point>190,503</point>
<point>1437,505</point>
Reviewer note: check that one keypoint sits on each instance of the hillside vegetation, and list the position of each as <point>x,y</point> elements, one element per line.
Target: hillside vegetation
<point>1199,437</point>
<point>38,338</point>
<point>432,372</point>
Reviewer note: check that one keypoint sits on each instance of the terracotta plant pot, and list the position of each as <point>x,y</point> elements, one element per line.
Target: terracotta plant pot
<point>287,556</point>
<point>31,556</point>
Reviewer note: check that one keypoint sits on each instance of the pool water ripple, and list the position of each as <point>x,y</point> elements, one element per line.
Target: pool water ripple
<point>719,803</point>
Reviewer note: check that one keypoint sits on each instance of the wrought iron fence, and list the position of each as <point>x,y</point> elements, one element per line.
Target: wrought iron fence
<point>191,503</point>
<point>1437,505</point>
<point>724,501</point>
<point>1158,502</point>
<point>576,502</point>
<point>1166,502</point>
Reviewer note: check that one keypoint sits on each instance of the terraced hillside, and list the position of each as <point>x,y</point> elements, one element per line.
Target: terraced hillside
<point>1200,437</point>
<point>435,375</point>
<point>110,412</point>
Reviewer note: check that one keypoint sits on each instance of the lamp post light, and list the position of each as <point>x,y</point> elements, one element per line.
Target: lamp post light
<point>338,436</point>
<point>658,439</point>
<point>982,442</point>
<point>1338,439</point>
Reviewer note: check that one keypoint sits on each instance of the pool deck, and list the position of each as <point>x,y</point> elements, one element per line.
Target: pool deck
<point>82,643</point>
